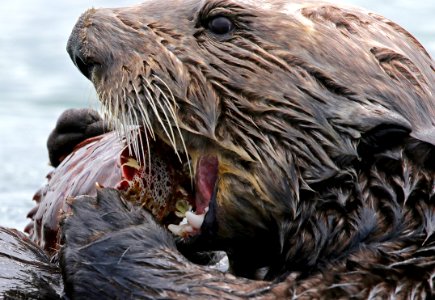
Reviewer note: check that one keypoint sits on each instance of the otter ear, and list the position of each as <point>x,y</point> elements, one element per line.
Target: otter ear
<point>382,137</point>
<point>381,129</point>
<point>419,145</point>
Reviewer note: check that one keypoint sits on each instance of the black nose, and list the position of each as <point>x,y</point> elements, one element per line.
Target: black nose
<point>85,65</point>
<point>76,50</point>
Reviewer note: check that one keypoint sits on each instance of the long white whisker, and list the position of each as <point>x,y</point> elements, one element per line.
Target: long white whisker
<point>149,154</point>
<point>141,158</point>
<point>143,111</point>
<point>167,103</point>
<point>147,130</point>
<point>169,90</point>
<point>124,125</point>
<point>156,113</point>
<point>134,130</point>
<point>145,119</point>
<point>178,127</point>
<point>105,100</point>
<point>115,116</point>
<point>107,109</point>
<point>164,110</point>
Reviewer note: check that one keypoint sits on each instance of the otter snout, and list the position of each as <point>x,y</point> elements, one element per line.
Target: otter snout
<point>76,48</point>
<point>86,66</point>
<point>107,42</point>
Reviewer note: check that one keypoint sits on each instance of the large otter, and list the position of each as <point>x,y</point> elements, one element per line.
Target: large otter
<point>310,130</point>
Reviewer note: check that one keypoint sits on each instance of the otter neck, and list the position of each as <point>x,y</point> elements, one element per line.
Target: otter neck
<point>371,208</point>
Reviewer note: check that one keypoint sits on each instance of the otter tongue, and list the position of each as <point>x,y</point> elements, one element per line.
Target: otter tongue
<point>205,180</point>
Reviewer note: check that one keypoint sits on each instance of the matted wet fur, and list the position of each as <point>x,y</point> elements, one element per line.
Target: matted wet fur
<point>116,251</point>
<point>322,118</point>
<point>25,269</point>
<point>323,121</point>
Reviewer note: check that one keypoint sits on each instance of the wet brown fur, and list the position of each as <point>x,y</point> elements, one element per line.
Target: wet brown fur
<point>323,119</point>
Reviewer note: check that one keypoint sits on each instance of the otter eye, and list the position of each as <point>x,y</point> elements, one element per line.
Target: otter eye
<point>220,25</point>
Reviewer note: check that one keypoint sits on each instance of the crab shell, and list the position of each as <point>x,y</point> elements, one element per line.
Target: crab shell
<point>104,161</point>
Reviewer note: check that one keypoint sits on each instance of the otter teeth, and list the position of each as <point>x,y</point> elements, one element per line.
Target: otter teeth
<point>190,224</point>
<point>195,220</point>
<point>180,230</point>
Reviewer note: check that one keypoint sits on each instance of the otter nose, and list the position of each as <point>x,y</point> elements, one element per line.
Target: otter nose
<point>78,50</point>
<point>85,64</point>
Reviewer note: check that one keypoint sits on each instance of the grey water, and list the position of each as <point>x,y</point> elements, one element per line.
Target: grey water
<point>38,82</point>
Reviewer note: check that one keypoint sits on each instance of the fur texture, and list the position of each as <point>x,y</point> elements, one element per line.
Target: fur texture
<point>322,118</point>
<point>26,271</point>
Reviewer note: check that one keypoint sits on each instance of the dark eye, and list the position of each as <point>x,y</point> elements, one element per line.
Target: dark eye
<point>220,25</point>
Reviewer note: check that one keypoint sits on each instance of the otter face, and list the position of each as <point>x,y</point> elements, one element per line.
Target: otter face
<point>265,99</point>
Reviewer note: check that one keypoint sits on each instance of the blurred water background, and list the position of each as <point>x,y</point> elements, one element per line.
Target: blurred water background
<point>38,82</point>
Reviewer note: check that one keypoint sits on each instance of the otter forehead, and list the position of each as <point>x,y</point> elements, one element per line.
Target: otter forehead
<point>191,7</point>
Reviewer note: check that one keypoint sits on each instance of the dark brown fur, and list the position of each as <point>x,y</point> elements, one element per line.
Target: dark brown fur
<point>323,119</point>
<point>25,269</point>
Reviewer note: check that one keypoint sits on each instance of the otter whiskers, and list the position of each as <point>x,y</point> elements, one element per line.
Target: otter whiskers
<point>171,109</point>
<point>153,106</point>
<point>124,113</point>
<point>137,142</point>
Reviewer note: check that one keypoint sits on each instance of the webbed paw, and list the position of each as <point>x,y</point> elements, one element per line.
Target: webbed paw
<point>73,127</point>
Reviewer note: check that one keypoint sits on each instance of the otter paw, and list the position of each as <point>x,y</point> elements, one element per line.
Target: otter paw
<point>72,127</point>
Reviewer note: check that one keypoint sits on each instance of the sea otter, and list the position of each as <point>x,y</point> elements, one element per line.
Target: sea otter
<point>307,128</point>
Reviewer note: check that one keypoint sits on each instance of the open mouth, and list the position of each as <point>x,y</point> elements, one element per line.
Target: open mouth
<point>164,186</point>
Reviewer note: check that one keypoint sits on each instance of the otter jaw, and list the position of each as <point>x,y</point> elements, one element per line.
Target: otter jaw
<point>206,176</point>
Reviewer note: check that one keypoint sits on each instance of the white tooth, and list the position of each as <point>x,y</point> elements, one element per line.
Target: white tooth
<point>184,221</point>
<point>181,230</point>
<point>175,229</point>
<point>188,229</point>
<point>195,220</point>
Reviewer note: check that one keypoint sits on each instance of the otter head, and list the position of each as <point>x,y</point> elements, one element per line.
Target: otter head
<point>269,102</point>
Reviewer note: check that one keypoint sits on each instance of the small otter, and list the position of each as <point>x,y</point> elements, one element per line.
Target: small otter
<point>309,129</point>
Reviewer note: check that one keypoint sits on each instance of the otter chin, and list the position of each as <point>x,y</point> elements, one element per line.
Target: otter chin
<point>307,129</point>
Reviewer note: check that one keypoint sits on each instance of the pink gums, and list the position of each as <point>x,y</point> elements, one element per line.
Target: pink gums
<point>205,181</point>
